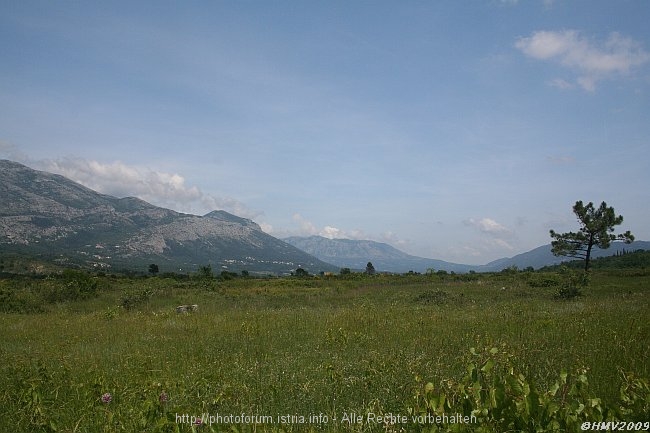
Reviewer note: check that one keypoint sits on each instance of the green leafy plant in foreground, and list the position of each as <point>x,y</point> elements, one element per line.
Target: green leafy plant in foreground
<point>495,397</point>
<point>635,398</point>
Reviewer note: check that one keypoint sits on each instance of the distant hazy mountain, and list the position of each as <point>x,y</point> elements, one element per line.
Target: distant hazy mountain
<point>542,256</point>
<point>355,254</point>
<point>53,218</point>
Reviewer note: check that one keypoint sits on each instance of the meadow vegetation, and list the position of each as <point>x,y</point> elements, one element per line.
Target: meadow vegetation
<point>89,353</point>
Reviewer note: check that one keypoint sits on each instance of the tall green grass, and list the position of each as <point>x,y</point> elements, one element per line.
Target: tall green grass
<point>301,346</point>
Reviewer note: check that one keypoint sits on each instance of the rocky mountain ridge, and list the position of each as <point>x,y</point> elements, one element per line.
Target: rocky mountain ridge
<point>48,215</point>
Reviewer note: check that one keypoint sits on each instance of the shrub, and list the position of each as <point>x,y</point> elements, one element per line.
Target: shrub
<point>572,283</point>
<point>544,280</point>
<point>226,275</point>
<point>71,286</point>
<point>436,297</point>
<point>132,299</point>
<point>19,301</point>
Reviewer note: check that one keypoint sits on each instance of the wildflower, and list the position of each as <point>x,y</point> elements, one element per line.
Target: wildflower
<point>198,421</point>
<point>163,397</point>
<point>107,398</point>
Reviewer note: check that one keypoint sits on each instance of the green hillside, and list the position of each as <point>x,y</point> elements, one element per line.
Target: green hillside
<point>622,260</point>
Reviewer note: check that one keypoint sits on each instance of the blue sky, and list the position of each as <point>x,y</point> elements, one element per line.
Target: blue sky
<point>455,130</point>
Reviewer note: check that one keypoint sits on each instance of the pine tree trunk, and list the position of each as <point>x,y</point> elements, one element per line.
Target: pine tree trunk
<point>588,256</point>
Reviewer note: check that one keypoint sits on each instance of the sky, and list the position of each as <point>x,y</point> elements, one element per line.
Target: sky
<point>454,130</point>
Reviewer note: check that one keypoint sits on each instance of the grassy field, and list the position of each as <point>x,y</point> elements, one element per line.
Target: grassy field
<point>314,354</point>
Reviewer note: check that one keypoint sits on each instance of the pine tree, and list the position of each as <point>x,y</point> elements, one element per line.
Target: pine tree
<point>596,229</point>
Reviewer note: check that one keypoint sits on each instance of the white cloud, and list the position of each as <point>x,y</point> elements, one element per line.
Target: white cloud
<point>497,236</point>
<point>487,225</point>
<point>331,232</point>
<point>159,188</point>
<point>306,228</point>
<point>266,227</point>
<point>614,57</point>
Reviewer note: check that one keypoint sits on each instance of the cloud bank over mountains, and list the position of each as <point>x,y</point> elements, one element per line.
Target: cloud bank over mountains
<point>157,187</point>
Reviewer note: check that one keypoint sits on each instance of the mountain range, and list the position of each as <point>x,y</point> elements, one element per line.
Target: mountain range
<point>52,218</point>
<point>355,254</point>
